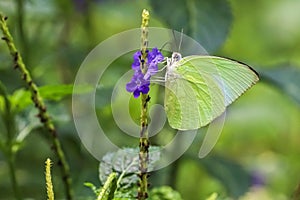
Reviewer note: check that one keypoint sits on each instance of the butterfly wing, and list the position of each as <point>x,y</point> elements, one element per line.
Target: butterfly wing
<point>199,88</point>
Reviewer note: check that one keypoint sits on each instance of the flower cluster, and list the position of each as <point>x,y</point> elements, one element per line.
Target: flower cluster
<point>140,82</point>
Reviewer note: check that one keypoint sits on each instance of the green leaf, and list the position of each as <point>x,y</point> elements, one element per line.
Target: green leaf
<point>125,194</point>
<point>92,187</point>
<point>25,131</point>
<point>233,176</point>
<point>208,22</point>
<point>126,163</point>
<point>213,196</point>
<point>164,193</point>
<point>3,98</point>
<point>57,92</point>
<point>285,78</point>
<point>22,98</point>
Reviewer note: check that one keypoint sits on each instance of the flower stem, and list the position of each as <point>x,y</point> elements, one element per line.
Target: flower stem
<point>39,104</point>
<point>144,137</point>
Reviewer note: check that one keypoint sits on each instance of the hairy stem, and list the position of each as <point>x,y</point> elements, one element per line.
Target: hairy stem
<point>40,105</point>
<point>144,137</point>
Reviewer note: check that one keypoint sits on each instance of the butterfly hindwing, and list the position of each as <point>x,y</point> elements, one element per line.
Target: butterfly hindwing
<point>192,100</point>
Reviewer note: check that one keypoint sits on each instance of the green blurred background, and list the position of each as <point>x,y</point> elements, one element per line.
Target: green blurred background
<point>257,155</point>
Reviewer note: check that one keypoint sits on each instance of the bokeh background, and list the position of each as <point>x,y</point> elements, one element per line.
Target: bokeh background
<point>257,155</point>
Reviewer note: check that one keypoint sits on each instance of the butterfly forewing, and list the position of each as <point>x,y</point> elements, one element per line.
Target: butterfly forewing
<point>233,77</point>
<point>199,88</point>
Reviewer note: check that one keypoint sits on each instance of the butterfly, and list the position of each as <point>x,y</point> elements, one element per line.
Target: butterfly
<point>199,88</point>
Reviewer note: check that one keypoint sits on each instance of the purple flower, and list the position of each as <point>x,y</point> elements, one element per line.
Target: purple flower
<point>138,84</point>
<point>136,60</point>
<point>257,179</point>
<point>153,58</point>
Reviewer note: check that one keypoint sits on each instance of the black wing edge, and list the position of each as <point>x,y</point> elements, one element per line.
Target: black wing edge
<point>243,64</point>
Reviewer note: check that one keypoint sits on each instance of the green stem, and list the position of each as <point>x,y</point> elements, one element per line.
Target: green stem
<point>12,173</point>
<point>8,116</point>
<point>125,171</point>
<point>40,105</point>
<point>109,188</point>
<point>88,23</point>
<point>172,180</point>
<point>144,137</point>
<point>8,147</point>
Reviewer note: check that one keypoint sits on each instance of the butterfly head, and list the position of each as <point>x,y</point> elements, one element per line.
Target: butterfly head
<point>176,57</point>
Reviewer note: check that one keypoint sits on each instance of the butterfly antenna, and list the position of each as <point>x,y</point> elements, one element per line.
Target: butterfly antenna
<point>180,42</point>
<point>175,40</point>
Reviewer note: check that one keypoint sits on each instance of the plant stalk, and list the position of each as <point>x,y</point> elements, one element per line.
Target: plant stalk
<point>8,146</point>
<point>13,177</point>
<point>40,105</point>
<point>144,137</point>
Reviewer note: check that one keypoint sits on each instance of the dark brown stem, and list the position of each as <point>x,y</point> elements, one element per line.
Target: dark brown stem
<point>144,137</point>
